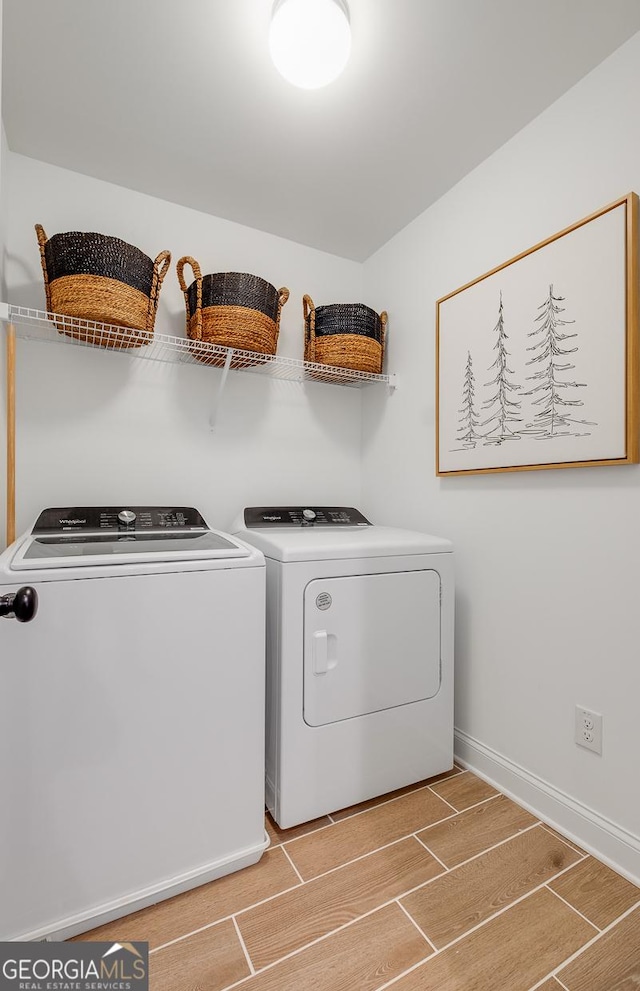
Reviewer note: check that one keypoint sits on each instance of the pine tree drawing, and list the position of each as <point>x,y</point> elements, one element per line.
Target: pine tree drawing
<point>469,418</point>
<point>504,408</point>
<point>553,419</point>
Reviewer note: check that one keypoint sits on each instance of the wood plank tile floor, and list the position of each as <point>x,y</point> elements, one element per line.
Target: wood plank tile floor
<point>444,886</point>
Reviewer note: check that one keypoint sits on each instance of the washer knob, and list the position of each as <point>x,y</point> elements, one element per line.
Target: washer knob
<point>127,517</point>
<point>21,605</point>
<point>309,515</point>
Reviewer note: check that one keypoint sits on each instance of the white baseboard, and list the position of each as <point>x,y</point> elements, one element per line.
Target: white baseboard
<point>590,830</point>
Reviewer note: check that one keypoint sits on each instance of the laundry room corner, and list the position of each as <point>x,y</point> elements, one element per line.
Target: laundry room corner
<point>546,585</point>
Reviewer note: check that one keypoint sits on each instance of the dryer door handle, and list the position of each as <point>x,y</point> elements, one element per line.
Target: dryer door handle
<point>324,652</point>
<point>320,652</point>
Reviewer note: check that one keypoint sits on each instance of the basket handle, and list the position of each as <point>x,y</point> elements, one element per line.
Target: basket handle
<point>197,273</point>
<point>160,269</point>
<point>309,313</point>
<point>283,296</point>
<point>383,337</point>
<point>42,240</point>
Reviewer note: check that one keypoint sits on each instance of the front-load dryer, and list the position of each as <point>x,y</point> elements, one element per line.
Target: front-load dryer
<point>359,657</point>
<point>131,715</point>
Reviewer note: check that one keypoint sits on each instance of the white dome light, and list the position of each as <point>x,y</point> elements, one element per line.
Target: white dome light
<point>310,40</point>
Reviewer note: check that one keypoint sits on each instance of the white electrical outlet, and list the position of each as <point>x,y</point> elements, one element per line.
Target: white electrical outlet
<point>588,729</point>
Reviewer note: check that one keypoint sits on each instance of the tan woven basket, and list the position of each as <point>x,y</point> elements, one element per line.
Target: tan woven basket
<point>232,310</point>
<point>93,277</point>
<point>344,335</point>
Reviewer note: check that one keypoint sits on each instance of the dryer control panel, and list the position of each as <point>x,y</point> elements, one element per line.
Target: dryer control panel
<point>296,516</point>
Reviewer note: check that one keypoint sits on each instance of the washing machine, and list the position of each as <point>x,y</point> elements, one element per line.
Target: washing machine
<point>131,714</point>
<point>359,657</point>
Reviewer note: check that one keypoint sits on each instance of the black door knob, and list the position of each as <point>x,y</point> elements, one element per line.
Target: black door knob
<point>21,605</point>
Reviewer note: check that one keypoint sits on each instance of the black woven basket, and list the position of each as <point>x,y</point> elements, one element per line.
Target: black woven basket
<point>101,279</point>
<point>235,289</point>
<point>78,253</point>
<point>232,310</point>
<point>344,335</point>
<point>349,318</point>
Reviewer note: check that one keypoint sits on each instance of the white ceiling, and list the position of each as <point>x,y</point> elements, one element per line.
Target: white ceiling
<point>178,98</point>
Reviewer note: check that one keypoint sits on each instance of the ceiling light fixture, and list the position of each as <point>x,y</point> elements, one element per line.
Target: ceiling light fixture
<point>310,40</point>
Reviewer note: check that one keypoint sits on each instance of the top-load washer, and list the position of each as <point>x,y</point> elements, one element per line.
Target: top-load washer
<point>131,715</point>
<point>359,657</point>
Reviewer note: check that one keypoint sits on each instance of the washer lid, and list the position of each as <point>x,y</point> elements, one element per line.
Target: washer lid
<point>107,535</point>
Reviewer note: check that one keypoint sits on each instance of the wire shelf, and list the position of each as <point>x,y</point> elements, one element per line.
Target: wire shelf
<point>53,328</point>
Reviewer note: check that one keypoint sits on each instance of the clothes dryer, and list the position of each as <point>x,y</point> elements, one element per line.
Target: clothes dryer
<point>359,657</point>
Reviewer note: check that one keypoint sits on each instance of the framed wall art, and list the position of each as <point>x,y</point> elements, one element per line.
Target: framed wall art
<point>537,360</point>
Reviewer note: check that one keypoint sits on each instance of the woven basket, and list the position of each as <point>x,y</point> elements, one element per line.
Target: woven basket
<point>344,335</point>
<point>102,279</point>
<point>231,310</point>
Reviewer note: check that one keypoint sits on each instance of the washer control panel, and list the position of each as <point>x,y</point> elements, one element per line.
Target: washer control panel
<point>289,516</point>
<point>116,519</point>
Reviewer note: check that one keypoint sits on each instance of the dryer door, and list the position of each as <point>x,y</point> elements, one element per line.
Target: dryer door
<point>371,642</point>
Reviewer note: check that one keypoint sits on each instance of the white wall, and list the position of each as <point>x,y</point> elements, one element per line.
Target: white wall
<point>4,155</point>
<point>3,200</point>
<point>98,427</point>
<point>547,562</point>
